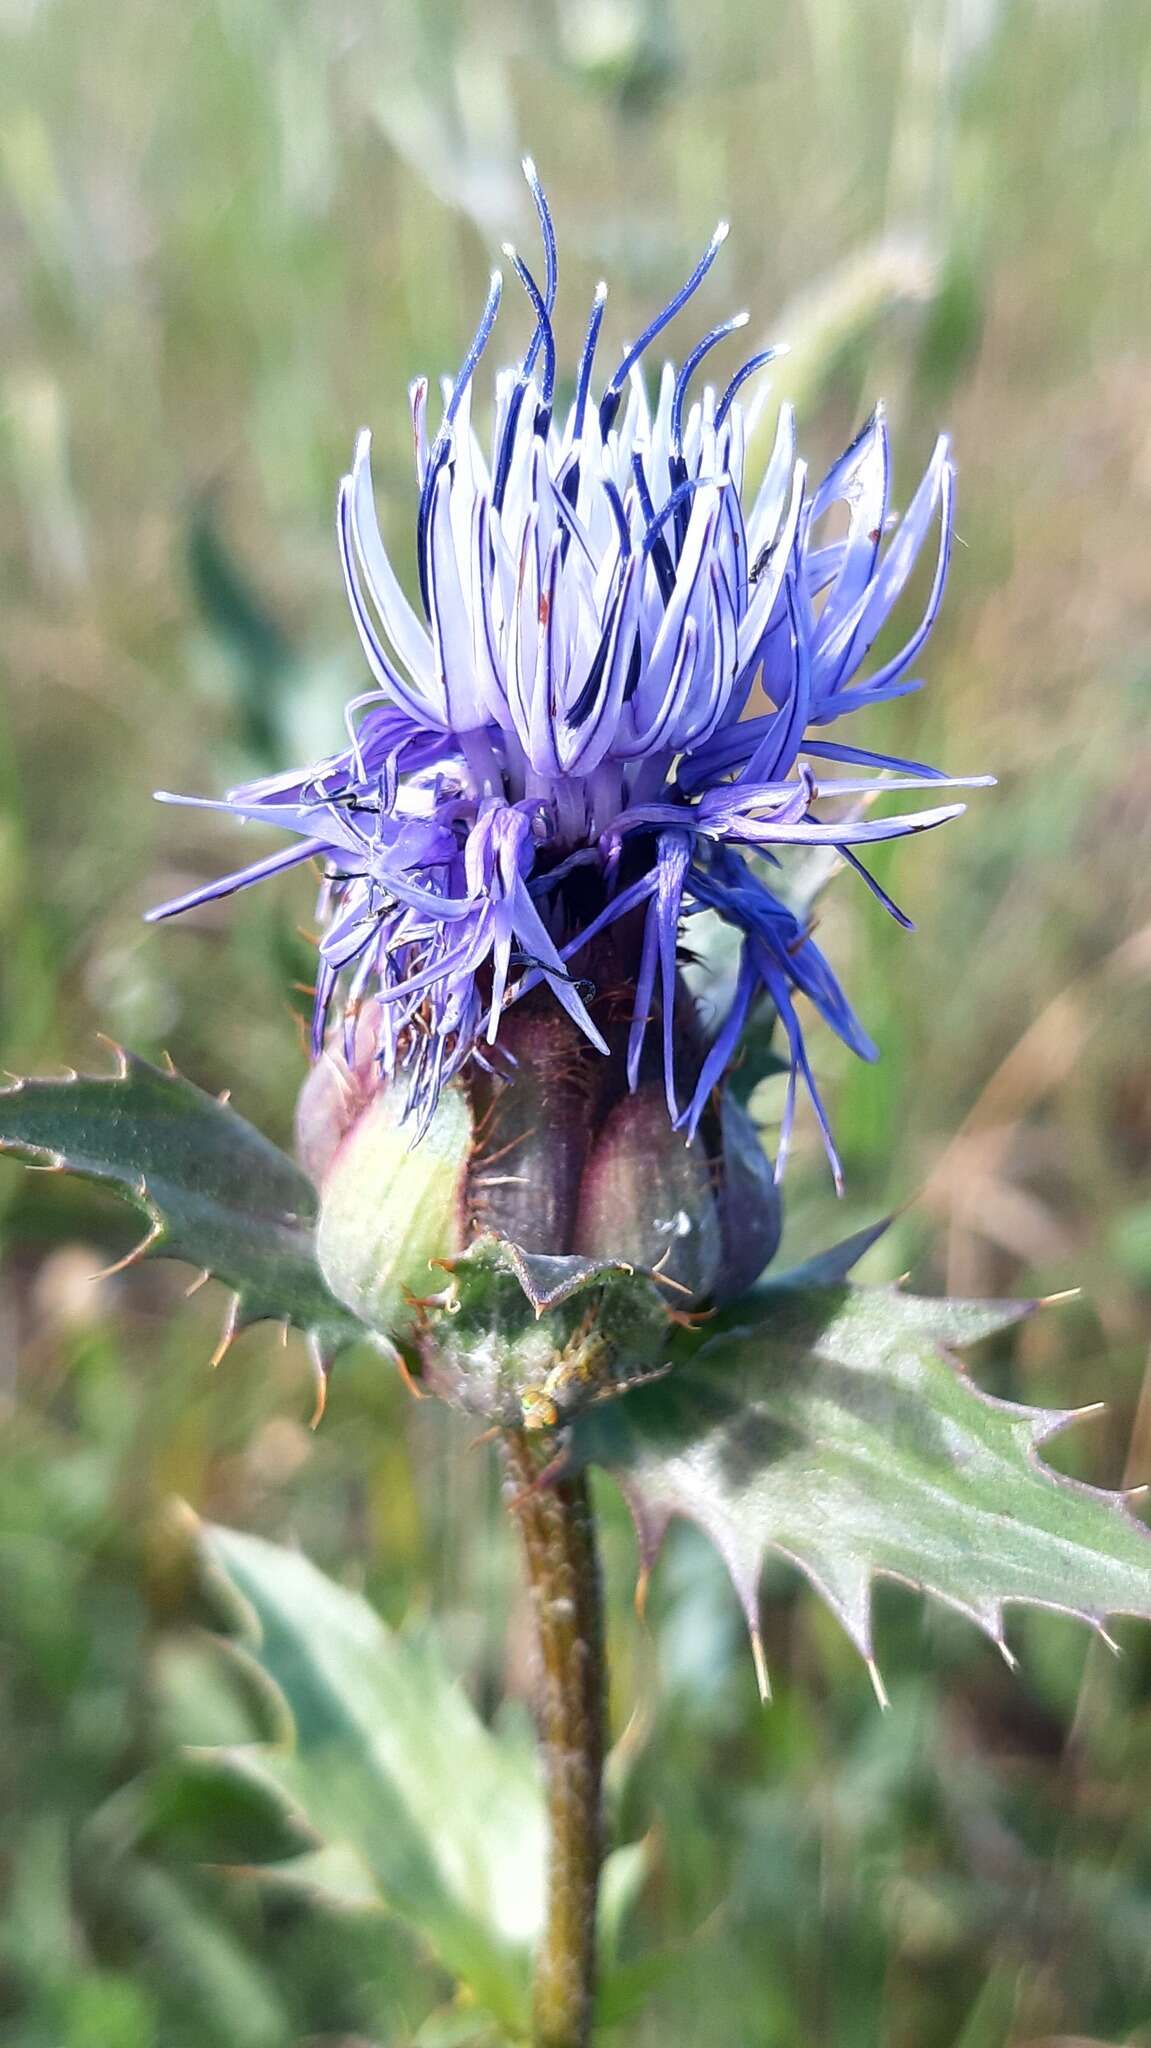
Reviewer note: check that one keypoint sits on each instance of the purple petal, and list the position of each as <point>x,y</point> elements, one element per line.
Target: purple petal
<point>226,885</point>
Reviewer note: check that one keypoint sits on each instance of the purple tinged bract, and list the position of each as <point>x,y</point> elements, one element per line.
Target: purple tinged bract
<point>559,736</point>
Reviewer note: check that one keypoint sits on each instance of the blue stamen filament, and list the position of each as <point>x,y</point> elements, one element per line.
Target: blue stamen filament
<point>548,234</point>
<point>660,552</point>
<point>544,335</point>
<point>609,403</point>
<point>439,451</point>
<point>748,369</point>
<point>583,385</point>
<point>702,348</point>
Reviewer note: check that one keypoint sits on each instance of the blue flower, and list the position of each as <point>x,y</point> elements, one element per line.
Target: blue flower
<point>556,739</point>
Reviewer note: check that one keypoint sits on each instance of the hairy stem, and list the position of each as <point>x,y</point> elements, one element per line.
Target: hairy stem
<point>558,1535</point>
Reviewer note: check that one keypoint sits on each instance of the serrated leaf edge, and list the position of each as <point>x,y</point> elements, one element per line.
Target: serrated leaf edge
<point>1040,1424</point>
<point>44,1159</point>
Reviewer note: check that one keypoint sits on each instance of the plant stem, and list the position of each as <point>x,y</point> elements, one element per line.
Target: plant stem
<point>558,1534</point>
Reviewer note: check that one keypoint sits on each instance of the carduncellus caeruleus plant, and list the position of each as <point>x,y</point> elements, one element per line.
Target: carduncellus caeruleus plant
<point>625,697</point>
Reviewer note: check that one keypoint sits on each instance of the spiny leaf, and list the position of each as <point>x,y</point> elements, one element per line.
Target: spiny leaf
<point>829,1268</point>
<point>829,1425</point>
<point>212,1190</point>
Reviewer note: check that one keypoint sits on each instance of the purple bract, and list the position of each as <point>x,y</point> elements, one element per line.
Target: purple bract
<point>560,739</point>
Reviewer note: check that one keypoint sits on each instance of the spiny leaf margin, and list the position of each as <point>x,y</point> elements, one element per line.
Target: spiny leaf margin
<point>211,1188</point>
<point>833,1425</point>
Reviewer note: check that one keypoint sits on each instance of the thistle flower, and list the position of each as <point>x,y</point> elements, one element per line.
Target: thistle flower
<point>565,737</point>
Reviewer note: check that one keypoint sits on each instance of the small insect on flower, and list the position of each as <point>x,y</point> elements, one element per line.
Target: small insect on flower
<point>562,739</point>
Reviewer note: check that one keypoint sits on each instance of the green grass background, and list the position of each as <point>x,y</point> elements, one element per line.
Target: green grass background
<point>231,232</point>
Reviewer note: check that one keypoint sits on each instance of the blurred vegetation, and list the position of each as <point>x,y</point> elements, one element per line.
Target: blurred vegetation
<point>231,233</point>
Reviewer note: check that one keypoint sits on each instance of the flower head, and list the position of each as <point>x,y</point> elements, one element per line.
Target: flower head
<point>564,733</point>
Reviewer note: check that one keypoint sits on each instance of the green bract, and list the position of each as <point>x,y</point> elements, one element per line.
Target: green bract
<point>390,1209</point>
<point>528,1340</point>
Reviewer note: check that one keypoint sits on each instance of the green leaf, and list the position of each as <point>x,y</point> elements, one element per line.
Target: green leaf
<point>459,2028</point>
<point>392,1768</point>
<point>829,1425</point>
<point>212,1190</point>
<point>208,1806</point>
<point>224,1993</point>
<point>390,1757</point>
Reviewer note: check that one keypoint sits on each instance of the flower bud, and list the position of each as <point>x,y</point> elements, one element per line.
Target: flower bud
<point>390,1207</point>
<point>335,1093</point>
<point>569,1218</point>
<point>649,1197</point>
